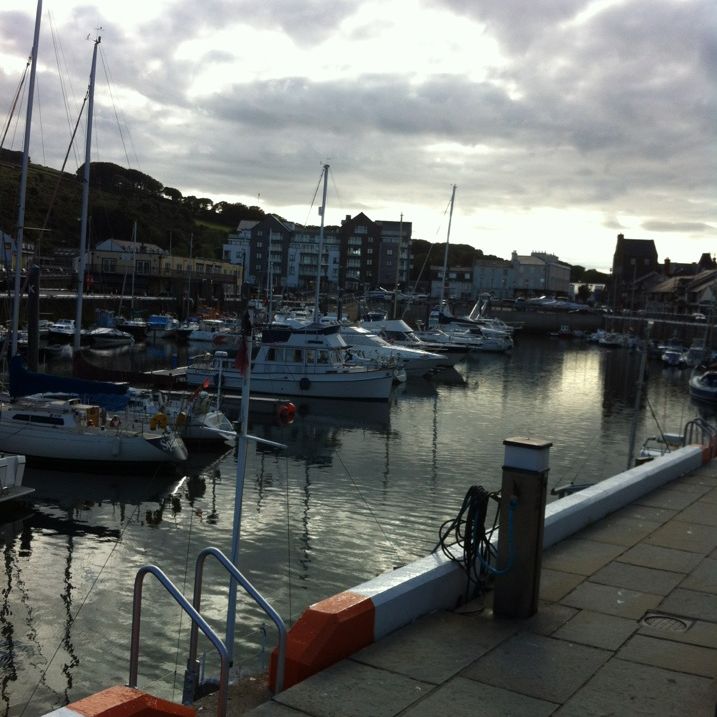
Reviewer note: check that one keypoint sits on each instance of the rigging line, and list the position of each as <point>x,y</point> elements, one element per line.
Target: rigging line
<point>73,619</point>
<point>316,191</point>
<point>13,106</point>
<point>60,74</point>
<point>184,590</point>
<point>654,416</point>
<point>64,164</point>
<point>39,112</point>
<point>365,502</point>
<point>114,107</point>
<point>335,186</point>
<point>288,538</point>
<point>17,117</point>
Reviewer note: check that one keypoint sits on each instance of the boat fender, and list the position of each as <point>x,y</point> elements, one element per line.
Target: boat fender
<point>285,412</point>
<point>304,384</point>
<point>159,420</point>
<point>115,422</point>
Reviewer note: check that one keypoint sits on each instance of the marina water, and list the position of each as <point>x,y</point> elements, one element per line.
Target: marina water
<point>360,489</point>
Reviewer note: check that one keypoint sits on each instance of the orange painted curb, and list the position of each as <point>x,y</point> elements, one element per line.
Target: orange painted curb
<point>120,701</point>
<point>327,632</point>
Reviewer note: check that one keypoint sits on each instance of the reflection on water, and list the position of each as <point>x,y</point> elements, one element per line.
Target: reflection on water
<point>360,489</point>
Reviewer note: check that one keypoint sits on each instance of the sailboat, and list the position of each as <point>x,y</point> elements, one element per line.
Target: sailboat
<point>308,361</point>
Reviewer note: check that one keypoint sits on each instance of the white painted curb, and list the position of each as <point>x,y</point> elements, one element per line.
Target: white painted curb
<point>436,583</point>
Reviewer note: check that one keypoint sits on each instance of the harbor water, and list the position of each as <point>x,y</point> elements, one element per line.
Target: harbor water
<point>359,490</point>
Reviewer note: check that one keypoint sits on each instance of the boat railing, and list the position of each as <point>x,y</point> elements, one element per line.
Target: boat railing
<point>197,621</point>
<point>191,674</point>
<point>699,431</point>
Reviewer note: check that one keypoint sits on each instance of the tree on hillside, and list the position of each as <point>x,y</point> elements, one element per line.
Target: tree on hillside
<point>171,193</point>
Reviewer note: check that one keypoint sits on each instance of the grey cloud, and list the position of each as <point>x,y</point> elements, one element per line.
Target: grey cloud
<point>678,227</point>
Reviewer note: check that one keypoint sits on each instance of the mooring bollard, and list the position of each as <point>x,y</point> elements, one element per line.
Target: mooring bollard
<point>522,516</point>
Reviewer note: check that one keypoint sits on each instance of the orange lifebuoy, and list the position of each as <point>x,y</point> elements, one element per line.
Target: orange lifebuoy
<point>285,412</point>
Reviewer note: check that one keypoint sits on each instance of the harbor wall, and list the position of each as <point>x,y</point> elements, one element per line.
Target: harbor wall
<point>367,612</point>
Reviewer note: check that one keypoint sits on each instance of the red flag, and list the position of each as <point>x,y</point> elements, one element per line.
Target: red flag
<point>242,358</point>
<point>203,385</point>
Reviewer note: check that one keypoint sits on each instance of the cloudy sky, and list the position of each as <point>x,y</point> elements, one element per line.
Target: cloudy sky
<point>562,122</point>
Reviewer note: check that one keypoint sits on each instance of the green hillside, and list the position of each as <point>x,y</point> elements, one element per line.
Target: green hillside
<point>118,198</point>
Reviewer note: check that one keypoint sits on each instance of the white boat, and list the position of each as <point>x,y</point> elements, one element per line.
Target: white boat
<point>307,361</point>
<point>370,346</point>
<point>65,430</point>
<point>135,327</point>
<point>12,471</point>
<point>703,385</point>
<point>194,417</point>
<point>104,338</point>
<point>209,331</point>
<point>61,331</point>
<point>398,332</point>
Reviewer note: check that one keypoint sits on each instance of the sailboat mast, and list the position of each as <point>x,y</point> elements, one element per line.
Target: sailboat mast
<point>398,267</point>
<point>445,254</point>
<point>23,184</point>
<point>322,211</point>
<point>85,199</point>
<point>134,267</point>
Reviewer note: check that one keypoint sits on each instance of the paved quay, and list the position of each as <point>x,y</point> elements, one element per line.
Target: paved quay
<point>627,625</point>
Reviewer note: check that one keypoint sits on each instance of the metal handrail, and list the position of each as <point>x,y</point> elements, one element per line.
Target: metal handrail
<point>190,678</point>
<point>197,621</point>
<point>704,431</point>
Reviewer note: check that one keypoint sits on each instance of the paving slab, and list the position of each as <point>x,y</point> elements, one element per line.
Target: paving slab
<point>268,709</point>
<point>658,556</point>
<point>612,600</point>
<point>548,619</point>
<point>700,478</point>
<point>436,647</point>
<point>351,689</point>
<point>672,498</point>
<point>682,535</point>
<point>637,577</point>
<point>703,577</point>
<point>699,512</point>
<point>645,512</point>
<point>588,627</point>
<point>691,603</point>
<point>538,666</point>
<point>556,584</point>
<point>620,531</point>
<point>582,557</point>
<point>671,655</point>
<point>462,697</point>
<point>628,688</point>
<point>710,496</point>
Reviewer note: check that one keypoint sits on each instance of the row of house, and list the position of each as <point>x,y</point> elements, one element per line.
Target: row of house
<point>362,254</point>
<point>641,282</point>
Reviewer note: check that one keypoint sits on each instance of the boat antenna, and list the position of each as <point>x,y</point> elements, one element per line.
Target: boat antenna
<point>23,183</point>
<point>445,254</point>
<point>322,211</point>
<point>85,198</point>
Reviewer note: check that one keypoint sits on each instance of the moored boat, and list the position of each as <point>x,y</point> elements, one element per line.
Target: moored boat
<point>62,430</point>
<point>703,384</point>
<point>12,471</point>
<point>304,361</point>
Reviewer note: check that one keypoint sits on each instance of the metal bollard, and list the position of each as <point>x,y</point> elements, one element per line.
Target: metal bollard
<point>522,517</point>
